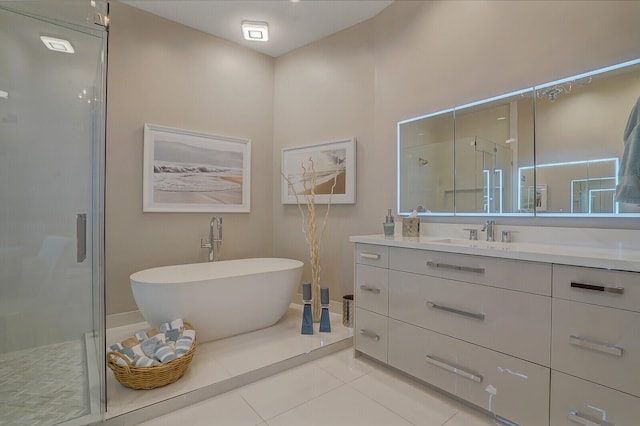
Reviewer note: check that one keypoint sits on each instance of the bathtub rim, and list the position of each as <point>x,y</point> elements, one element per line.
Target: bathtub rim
<point>166,271</point>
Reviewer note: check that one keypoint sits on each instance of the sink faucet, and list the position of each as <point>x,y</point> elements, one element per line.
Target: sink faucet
<point>490,227</point>
<point>214,244</point>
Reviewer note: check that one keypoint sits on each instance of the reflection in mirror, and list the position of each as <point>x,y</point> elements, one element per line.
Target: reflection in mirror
<point>590,189</point>
<point>580,124</point>
<point>425,164</point>
<point>478,159</point>
<point>492,140</point>
<point>465,161</point>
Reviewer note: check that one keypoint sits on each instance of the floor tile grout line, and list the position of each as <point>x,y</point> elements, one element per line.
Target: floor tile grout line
<point>263,420</point>
<point>449,419</point>
<point>306,402</point>
<point>381,404</point>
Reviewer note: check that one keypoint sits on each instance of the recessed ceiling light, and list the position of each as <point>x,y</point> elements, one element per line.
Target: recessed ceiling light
<point>57,44</point>
<point>255,31</point>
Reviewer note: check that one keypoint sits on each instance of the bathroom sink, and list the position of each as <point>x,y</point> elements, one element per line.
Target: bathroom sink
<point>474,243</point>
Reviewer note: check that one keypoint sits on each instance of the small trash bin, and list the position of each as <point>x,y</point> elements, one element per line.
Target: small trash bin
<point>347,310</point>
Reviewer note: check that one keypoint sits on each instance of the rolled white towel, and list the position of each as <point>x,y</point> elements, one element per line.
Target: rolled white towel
<point>149,347</point>
<point>183,345</point>
<point>164,353</point>
<point>141,336</point>
<point>116,347</point>
<point>189,333</point>
<point>125,352</point>
<point>137,350</point>
<point>177,324</point>
<point>143,361</point>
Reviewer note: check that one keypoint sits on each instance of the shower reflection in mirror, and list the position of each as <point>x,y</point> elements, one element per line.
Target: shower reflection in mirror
<point>554,150</point>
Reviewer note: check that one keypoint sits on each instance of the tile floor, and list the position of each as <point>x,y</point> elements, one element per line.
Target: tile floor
<point>224,364</point>
<point>43,386</point>
<point>335,390</point>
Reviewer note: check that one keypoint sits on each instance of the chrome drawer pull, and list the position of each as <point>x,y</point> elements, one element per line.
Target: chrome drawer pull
<point>584,343</point>
<point>370,335</point>
<point>585,420</point>
<point>455,311</point>
<point>454,267</point>
<point>453,369</point>
<point>605,289</point>
<point>370,255</point>
<point>370,289</point>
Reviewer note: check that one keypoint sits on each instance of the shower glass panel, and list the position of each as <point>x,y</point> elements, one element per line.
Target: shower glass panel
<point>51,220</point>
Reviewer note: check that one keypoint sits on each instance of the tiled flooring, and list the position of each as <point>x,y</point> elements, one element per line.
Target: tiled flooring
<point>334,390</point>
<point>43,386</point>
<point>224,364</point>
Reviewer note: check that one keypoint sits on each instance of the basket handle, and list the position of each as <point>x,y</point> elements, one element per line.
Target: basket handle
<point>113,364</point>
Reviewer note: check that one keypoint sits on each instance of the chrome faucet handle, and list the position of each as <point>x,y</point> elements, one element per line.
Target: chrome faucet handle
<point>506,235</point>
<point>473,233</point>
<point>490,227</point>
<point>488,224</point>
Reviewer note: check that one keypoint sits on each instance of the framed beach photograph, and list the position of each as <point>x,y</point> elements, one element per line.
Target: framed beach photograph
<point>334,165</point>
<point>190,171</point>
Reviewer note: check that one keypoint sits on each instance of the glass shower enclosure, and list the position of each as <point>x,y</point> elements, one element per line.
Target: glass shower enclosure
<point>52,121</point>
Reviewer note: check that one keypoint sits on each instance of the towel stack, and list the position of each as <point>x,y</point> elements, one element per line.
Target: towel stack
<point>157,345</point>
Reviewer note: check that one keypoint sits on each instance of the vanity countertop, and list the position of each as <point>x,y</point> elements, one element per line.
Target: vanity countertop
<point>597,257</point>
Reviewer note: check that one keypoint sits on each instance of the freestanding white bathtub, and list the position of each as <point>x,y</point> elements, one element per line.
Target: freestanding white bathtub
<point>219,299</point>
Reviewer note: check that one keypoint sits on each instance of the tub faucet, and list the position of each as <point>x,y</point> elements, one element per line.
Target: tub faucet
<point>214,244</point>
<point>490,227</point>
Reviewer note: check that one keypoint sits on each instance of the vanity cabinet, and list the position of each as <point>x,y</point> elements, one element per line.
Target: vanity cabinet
<point>595,349</point>
<point>575,401</point>
<point>476,327</point>
<point>372,300</point>
<point>510,387</point>
<point>535,342</point>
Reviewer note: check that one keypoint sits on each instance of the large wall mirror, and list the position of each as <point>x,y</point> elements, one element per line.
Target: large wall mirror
<point>483,158</point>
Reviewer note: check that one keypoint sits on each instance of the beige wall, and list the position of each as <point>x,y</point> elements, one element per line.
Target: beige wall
<point>412,59</point>
<point>164,73</point>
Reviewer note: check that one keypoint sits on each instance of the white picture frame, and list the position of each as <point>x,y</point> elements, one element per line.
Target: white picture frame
<point>191,171</point>
<point>330,158</point>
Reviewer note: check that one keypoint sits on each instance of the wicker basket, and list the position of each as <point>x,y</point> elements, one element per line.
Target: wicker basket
<point>154,376</point>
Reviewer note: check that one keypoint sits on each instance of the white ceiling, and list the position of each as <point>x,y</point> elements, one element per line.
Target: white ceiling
<point>291,24</point>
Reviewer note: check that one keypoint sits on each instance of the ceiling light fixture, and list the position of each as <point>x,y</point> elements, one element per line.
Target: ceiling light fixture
<point>4,94</point>
<point>255,31</point>
<point>57,44</point>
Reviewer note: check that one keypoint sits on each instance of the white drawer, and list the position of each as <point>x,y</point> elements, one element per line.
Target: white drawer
<point>616,289</point>
<point>370,331</point>
<point>575,401</point>
<point>597,343</point>
<point>509,387</point>
<point>372,288</point>
<point>371,254</point>
<point>532,277</point>
<point>508,321</point>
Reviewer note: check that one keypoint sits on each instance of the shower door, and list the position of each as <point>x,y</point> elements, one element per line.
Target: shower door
<point>51,227</point>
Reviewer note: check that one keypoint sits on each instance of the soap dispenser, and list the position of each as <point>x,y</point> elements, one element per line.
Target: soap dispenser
<point>389,225</point>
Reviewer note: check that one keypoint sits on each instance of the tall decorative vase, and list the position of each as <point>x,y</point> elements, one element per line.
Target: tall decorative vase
<point>325,322</point>
<point>307,320</point>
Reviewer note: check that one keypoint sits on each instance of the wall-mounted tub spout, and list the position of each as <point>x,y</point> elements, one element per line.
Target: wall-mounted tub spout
<point>214,244</point>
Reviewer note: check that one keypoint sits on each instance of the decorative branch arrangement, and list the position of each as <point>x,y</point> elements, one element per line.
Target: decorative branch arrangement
<point>309,226</point>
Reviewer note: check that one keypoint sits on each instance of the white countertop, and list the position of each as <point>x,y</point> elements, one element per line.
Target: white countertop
<point>623,259</point>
